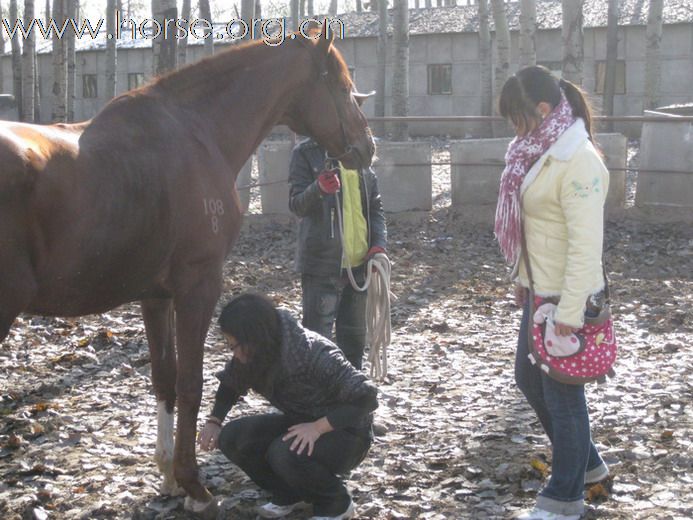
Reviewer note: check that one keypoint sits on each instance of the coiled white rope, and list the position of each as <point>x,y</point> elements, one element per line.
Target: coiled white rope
<point>378,322</point>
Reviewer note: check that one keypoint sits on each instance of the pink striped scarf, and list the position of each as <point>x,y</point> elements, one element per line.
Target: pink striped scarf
<point>522,153</point>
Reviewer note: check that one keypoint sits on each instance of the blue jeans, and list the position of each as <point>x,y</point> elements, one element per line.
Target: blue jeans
<point>255,445</point>
<point>330,303</point>
<point>562,411</point>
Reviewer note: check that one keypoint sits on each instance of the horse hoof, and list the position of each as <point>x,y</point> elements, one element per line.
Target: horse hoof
<point>171,488</point>
<point>203,510</point>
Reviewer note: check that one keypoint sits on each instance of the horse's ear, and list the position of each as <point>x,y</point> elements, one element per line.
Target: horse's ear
<point>326,38</point>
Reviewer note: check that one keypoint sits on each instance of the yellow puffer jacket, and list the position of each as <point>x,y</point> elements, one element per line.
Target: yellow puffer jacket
<point>563,198</point>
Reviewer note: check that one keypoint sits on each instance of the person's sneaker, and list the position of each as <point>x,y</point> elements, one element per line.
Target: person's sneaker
<point>597,474</point>
<point>541,514</point>
<point>271,510</point>
<point>349,513</point>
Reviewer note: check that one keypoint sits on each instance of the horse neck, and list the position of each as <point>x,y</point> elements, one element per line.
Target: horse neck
<point>251,97</point>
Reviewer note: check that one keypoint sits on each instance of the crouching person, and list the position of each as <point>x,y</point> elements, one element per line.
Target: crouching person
<point>326,405</point>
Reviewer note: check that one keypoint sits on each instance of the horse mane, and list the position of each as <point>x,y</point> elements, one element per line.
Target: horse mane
<point>227,63</point>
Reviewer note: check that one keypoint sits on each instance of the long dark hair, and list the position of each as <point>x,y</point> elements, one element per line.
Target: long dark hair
<point>253,320</point>
<point>535,84</point>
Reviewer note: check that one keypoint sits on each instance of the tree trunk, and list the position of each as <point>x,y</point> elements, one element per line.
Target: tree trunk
<point>294,15</point>
<point>165,44</point>
<point>258,9</point>
<point>302,9</point>
<point>502,63</point>
<point>528,31</point>
<point>486,62</point>
<point>247,14</point>
<point>334,6</point>
<point>359,6</point>
<point>572,38</point>
<point>183,42</point>
<point>2,50</point>
<point>28,68</point>
<point>400,73</point>
<point>16,64</point>
<point>310,10</point>
<point>111,56</point>
<point>429,4</point>
<point>59,113</point>
<point>381,56</point>
<point>652,52</point>
<point>37,91</point>
<point>206,14</point>
<point>611,58</point>
<point>72,12</point>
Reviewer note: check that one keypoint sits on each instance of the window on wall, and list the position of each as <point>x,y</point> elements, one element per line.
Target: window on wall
<point>89,86</point>
<point>600,77</point>
<point>135,80</point>
<point>440,79</point>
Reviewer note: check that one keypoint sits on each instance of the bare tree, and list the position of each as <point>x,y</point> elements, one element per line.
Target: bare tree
<point>206,14</point>
<point>334,6</point>
<point>16,63</point>
<point>400,73</point>
<point>652,54</point>
<point>59,112</point>
<point>381,57</point>
<point>2,49</point>
<point>258,9</point>
<point>164,45</point>
<point>429,3</point>
<point>359,6</point>
<point>185,13</point>
<point>28,66</point>
<point>572,37</point>
<point>72,12</point>
<point>528,31</point>
<point>248,13</point>
<point>111,51</point>
<point>294,15</point>
<point>500,21</point>
<point>310,10</point>
<point>302,9</point>
<point>486,62</point>
<point>611,59</point>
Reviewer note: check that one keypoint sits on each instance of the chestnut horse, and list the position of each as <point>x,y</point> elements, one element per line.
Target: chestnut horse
<point>139,204</point>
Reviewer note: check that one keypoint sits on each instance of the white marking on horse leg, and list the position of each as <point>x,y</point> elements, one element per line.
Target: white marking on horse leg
<point>164,450</point>
<point>204,510</point>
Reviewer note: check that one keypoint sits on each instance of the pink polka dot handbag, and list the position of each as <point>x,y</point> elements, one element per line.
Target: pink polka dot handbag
<point>585,356</point>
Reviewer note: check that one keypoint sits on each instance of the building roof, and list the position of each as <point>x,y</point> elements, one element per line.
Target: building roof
<point>438,20</point>
<point>549,15</point>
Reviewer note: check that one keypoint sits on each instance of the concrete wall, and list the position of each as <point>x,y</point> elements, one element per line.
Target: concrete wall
<point>404,176</point>
<point>273,175</point>
<point>478,164</point>
<point>666,148</point>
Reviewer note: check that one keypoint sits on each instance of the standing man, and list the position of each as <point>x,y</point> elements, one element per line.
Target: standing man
<point>342,225</point>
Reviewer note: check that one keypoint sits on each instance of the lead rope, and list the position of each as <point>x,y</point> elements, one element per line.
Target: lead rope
<point>377,283</point>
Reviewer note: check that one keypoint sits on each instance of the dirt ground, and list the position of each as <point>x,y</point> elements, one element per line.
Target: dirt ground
<point>78,422</point>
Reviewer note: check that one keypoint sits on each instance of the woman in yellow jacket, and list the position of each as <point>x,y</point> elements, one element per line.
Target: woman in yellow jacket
<point>554,184</point>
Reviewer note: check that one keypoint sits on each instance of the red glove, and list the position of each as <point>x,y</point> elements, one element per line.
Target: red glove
<point>374,251</point>
<point>328,182</point>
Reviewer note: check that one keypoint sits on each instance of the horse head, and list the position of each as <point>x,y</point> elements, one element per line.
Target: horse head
<point>328,108</point>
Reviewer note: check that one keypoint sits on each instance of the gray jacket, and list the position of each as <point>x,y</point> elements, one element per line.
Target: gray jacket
<point>319,249</point>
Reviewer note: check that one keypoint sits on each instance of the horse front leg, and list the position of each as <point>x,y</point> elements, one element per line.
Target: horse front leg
<point>194,311</point>
<point>159,322</point>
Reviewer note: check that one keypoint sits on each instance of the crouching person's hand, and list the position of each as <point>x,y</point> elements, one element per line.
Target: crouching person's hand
<point>208,439</point>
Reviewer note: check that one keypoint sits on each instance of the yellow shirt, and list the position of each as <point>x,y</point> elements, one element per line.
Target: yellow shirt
<point>355,239</point>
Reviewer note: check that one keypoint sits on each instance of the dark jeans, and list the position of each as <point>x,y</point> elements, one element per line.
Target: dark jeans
<point>255,445</point>
<point>331,302</point>
<point>562,411</point>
